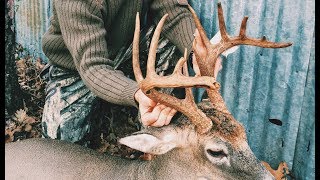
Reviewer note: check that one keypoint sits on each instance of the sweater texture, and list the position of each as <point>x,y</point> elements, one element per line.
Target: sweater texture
<point>85,36</point>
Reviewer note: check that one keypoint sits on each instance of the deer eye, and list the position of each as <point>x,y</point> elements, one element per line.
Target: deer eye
<point>216,154</point>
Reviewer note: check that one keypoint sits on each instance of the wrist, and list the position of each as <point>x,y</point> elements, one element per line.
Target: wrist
<point>137,95</point>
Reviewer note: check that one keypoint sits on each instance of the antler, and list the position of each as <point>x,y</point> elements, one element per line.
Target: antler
<point>207,64</point>
<point>178,78</point>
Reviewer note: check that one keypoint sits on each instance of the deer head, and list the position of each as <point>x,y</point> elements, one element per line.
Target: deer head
<point>207,134</point>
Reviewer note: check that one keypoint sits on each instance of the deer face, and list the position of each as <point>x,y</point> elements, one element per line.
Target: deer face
<point>209,156</point>
<point>234,162</point>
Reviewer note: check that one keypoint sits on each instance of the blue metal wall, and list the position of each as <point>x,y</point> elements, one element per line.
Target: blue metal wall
<point>257,84</point>
<point>31,22</point>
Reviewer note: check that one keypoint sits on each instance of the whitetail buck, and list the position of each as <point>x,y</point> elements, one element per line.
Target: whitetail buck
<point>205,143</point>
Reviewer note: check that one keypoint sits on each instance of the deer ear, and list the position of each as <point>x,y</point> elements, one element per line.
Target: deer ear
<point>148,143</point>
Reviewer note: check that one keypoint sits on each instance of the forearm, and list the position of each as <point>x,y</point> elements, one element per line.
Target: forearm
<point>110,85</point>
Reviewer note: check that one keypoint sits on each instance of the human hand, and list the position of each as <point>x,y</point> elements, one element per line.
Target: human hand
<point>200,52</point>
<point>153,113</point>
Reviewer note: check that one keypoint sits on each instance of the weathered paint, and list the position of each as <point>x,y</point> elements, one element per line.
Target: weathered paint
<point>257,84</point>
<point>31,22</point>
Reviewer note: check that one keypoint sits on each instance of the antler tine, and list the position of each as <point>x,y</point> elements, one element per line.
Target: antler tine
<point>135,51</point>
<point>243,27</point>
<point>222,24</point>
<point>153,47</point>
<point>180,64</point>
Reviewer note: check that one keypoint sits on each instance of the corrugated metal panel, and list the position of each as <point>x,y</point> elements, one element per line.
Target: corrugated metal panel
<point>257,84</point>
<point>305,147</point>
<point>261,84</point>
<point>31,22</point>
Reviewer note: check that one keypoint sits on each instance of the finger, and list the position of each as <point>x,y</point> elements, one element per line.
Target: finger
<point>170,116</point>
<point>162,117</point>
<point>150,117</point>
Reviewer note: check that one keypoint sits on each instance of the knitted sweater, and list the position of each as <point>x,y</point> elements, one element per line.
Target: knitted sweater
<point>85,35</point>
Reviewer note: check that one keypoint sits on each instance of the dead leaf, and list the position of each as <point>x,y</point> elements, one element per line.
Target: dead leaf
<point>27,127</point>
<point>20,115</point>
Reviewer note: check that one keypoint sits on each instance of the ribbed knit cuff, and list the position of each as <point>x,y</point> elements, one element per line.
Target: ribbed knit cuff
<point>128,94</point>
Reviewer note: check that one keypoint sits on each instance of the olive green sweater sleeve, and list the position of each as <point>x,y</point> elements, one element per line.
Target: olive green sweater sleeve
<point>179,26</point>
<point>84,34</point>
